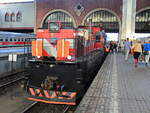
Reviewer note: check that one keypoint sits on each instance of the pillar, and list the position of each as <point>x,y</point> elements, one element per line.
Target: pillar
<point>128,19</point>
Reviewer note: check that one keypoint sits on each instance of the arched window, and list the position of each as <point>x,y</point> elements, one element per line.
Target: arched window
<point>142,24</point>
<point>59,16</point>
<point>7,17</point>
<point>18,17</point>
<point>103,18</point>
<point>12,17</point>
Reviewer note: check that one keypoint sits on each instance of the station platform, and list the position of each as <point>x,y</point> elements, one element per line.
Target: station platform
<point>119,87</point>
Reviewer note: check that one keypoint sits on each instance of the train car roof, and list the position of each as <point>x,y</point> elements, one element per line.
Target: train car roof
<point>13,34</point>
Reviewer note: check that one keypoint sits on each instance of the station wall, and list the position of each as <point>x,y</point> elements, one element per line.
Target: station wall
<point>26,10</point>
<point>45,6</point>
<point>33,13</point>
<point>142,4</point>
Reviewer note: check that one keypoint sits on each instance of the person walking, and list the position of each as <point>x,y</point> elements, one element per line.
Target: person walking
<point>146,48</point>
<point>111,46</point>
<point>137,51</point>
<point>127,48</point>
<point>106,49</point>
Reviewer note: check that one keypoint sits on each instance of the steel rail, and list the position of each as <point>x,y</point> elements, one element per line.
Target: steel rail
<point>11,74</point>
<point>8,83</point>
<point>29,107</point>
<point>67,108</point>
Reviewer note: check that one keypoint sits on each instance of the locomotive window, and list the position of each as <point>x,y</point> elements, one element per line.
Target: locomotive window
<point>53,27</point>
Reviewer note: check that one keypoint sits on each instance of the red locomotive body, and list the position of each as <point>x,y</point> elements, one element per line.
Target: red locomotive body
<point>63,62</point>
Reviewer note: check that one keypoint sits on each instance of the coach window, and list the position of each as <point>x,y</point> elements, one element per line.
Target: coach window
<point>12,17</point>
<point>15,40</point>
<point>6,40</point>
<point>11,39</point>
<point>18,17</point>
<point>18,39</point>
<point>7,17</point>
<point>1,40</point>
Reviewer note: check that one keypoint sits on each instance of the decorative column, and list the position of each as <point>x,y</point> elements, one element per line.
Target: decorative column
<point>128,19</point>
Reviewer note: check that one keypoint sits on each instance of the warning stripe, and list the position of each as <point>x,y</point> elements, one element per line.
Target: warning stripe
<point>44,53</point>
<point>52,102</point>
<point>62,48</point>
<point>72,95</point>
<point>46,46</point>
<point>63,94</point>
<point>101,37</point>
<point>39,92</point>
<point>32,91</point>
<point>46,94</point>
<point>33,48</point>
<point>49,48</point>
<point>66,48</point>
<point>52,94</point>
<point>37,47</point>
<point>59,48</point>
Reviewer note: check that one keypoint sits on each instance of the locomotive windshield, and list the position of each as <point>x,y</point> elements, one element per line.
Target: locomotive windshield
<point>53,27</point>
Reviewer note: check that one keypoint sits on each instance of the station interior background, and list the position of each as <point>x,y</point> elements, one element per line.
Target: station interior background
<point>111,35</point>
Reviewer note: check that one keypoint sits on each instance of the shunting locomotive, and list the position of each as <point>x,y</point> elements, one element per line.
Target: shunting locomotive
<point>62,63</point>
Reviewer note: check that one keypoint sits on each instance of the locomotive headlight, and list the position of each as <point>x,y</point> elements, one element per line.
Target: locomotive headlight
<point>38,56</point>
<point>80,33</point>
<point>69,57</point>
<point>74,34</point>
<point>51,65</point>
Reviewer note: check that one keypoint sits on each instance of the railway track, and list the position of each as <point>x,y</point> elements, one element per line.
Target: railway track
<point>11,82</point>
<point>5,81</point>
<point>29,107</point>
<point>66,110</point>
<point>8,74</point>
<point>37,107</point>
